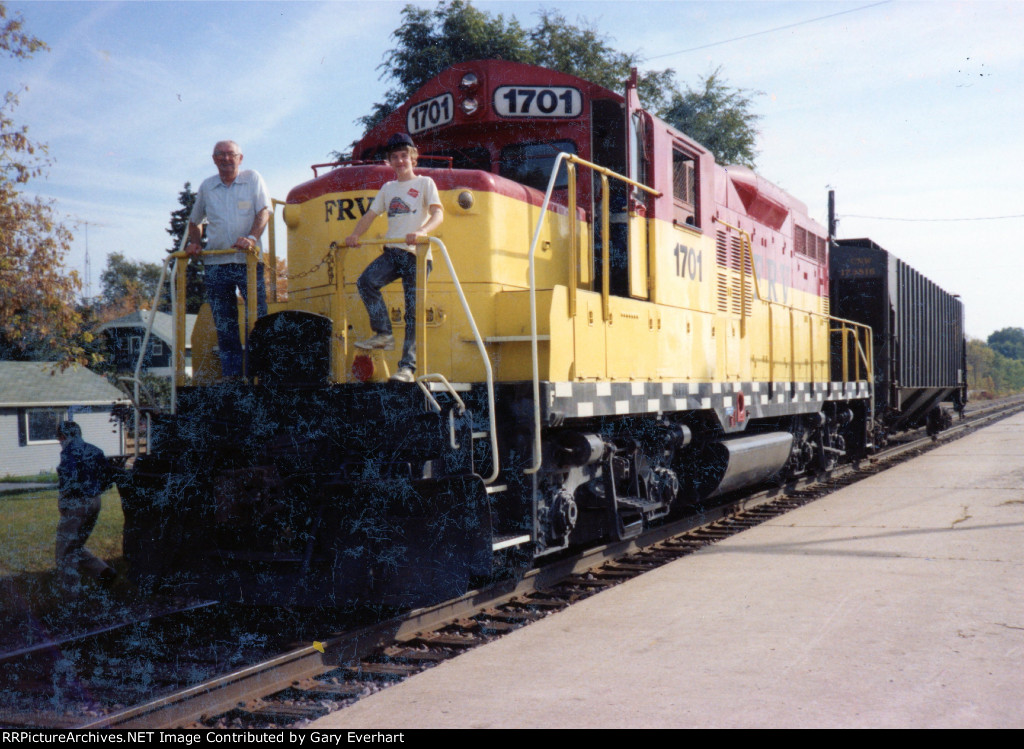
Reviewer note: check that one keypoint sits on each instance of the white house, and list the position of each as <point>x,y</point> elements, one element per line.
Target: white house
<point>125,334</point>
<point>35,397</point>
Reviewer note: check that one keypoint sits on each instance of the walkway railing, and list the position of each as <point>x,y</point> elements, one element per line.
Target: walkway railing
<point>570,161</point>
<point>855,338</point>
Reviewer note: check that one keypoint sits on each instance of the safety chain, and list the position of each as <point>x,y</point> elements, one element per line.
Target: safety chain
<point>328,258</point>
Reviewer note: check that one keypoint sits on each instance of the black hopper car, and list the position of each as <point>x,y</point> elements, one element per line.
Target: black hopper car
<point>920,352</point>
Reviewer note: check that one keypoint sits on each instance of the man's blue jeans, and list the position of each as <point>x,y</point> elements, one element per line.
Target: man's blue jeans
<point>393,264</point>
<point>221,283</point>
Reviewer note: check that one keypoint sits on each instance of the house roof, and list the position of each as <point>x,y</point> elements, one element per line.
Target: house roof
<point>161,325</point>
<point>36,384</point>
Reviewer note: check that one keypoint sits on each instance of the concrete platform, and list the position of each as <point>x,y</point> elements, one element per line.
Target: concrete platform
<point>897,602</point>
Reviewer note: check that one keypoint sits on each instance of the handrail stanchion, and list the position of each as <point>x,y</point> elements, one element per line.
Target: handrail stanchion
<point>339,310</point>
<point>252,284</point>
<point>573,239</point>
<point>272,248</point>
<point>178,305</point>
<point>846,355</point>
<point>606,270</point>
<point>421,306</point>
<point>533,311</point>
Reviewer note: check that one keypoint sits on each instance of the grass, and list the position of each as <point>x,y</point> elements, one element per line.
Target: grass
<point>39,478</point>
<point>29,523</point>
<point>31,603</point>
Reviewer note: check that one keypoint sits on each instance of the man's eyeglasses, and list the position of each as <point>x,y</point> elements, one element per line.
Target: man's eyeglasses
<point>223,154</point>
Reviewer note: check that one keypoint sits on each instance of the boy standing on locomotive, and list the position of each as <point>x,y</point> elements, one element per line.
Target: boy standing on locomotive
<point>413,207</point>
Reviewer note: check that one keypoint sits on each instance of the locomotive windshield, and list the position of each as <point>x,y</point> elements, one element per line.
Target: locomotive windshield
<point>462,158</point>
<point>531,163</point>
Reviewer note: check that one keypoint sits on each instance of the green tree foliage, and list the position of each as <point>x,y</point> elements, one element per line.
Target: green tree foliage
<point>127,286</point>
<point>988,371</point>
<point>1009,342</point>
<point>38,319</point>
<point>718,117</point>
<point>179,218</point>
<point>586,53</point>
<point>428,41</point>
<point>177,230</point>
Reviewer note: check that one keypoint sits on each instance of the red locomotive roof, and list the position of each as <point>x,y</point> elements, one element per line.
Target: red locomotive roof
<point>490,74</point>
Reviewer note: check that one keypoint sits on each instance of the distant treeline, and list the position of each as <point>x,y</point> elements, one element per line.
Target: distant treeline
<point>997,367</point>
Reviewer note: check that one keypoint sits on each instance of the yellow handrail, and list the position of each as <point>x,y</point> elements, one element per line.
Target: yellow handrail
<point>570,159</point>
<point>421,323</point>
<point>178,307</point>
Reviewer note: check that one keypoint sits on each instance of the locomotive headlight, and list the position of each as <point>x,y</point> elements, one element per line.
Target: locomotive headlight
<point>362,368</point>
<point>470,106</point>
<point>469,82</point>
<point>465,200</point>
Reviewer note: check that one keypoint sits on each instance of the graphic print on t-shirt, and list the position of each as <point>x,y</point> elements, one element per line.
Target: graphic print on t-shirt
<point>397,207</point>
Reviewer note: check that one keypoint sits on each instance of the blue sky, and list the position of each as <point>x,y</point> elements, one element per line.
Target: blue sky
<point>909,110</point>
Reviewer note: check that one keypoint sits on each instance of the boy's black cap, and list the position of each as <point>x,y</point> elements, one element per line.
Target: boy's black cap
<point>399,140</point>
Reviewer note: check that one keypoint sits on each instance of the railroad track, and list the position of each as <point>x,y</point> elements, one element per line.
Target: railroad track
<point>336,668</point>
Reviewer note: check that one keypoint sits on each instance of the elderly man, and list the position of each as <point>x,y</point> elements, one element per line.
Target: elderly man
<point>236,206</point>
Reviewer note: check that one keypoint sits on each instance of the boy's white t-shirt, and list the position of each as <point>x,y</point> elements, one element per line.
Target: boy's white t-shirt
<point>407,205</point>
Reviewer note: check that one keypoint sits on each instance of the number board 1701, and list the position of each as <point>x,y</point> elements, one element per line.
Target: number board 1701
<point>430,114</point>
<point>537,101</point>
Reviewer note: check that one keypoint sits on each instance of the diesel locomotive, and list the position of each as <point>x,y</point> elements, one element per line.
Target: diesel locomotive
<point>616,330</point>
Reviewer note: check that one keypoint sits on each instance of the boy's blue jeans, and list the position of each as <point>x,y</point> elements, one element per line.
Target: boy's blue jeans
<point>221,282</point>
<point>393,264</point>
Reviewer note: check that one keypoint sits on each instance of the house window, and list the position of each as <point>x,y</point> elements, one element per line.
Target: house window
<point>684,188</point>
<point>158,347</point>
<point>41,424</point>
<point>134,344</point>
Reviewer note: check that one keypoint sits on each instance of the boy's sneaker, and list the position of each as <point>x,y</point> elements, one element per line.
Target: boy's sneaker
<point>379,340</point>
<point>404,375</point>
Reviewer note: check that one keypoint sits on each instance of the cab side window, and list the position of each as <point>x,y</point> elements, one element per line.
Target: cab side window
<point>684,188</point>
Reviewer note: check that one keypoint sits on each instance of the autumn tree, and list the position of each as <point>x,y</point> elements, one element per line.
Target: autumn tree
<point>38,318</point>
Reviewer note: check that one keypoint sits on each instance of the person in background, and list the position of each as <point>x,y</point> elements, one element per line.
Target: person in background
<point>236,206</point>
<point>83,476</point>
